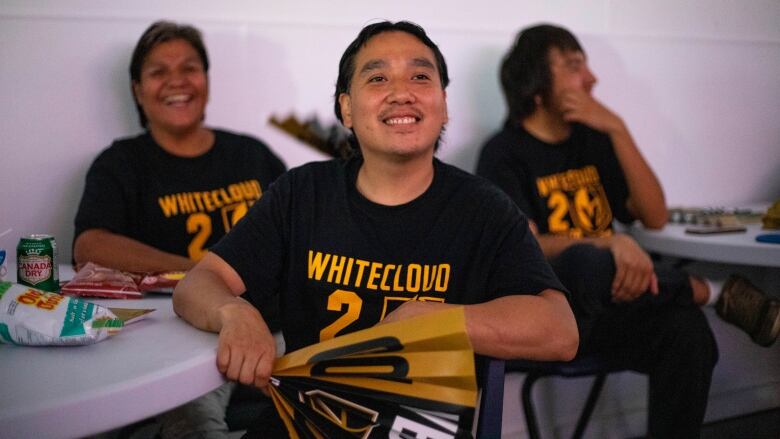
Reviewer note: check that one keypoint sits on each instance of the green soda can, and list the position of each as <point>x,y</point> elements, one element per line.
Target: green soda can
<point>36,261</point>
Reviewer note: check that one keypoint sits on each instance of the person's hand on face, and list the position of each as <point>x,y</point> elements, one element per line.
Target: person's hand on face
<point>578,105</point>
<point>571,87</point>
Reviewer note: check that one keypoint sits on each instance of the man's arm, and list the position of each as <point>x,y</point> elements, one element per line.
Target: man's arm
<point>122,253</point>
<point>208,299</point>
<point>535,327</point>
<point>634,271</point>
<point>646,200</point>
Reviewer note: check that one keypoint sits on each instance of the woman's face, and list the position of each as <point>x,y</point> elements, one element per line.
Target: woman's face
<point>173,89</point>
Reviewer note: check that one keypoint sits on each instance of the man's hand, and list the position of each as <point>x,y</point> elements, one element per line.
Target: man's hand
<point>634,273</point>
<point>247,349</point>
<point>580,106</point>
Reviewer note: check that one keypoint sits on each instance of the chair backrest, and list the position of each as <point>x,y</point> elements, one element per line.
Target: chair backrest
<point>492,400</point>
<point>587,365</point>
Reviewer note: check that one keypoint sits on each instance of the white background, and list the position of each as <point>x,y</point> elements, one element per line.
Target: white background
<point>697,81</point>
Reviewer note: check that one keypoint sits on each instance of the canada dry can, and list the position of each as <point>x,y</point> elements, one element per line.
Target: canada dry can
<point>36,259</point>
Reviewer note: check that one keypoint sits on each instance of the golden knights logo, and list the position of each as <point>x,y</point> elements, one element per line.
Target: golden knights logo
<point>409,379</point>
<point>577,203</point>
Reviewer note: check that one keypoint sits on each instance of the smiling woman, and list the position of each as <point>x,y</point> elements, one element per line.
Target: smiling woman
<point>158,201</point>
<point>169,79</point>
<point>173,89</point>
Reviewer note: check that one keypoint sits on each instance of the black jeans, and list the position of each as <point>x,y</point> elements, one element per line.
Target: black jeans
<point>666,337</point>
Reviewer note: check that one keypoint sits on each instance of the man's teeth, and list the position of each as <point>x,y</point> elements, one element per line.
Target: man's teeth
<point>176,99</point>
<point>400,120</point>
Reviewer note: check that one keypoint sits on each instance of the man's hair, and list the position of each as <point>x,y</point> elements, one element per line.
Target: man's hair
<point>347,63</point>
<point>525,69</point>
<point>160,32</point>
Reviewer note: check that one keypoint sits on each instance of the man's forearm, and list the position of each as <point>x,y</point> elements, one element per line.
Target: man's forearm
<point>646,197</point>
<point>122,253</point>
<point>204,297</point>
<point>535,327</point>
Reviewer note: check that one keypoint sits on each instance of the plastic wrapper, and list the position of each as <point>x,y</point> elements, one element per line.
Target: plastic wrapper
<point>163,282</point>
<point>37,318</point>
<point>93,280</point>
<point>413,378</point>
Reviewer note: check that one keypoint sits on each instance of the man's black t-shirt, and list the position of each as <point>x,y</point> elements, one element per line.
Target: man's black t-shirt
<point>341,262</point>
<point>574,188</point>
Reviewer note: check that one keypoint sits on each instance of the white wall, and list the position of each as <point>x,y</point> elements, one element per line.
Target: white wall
<point>698,82</point>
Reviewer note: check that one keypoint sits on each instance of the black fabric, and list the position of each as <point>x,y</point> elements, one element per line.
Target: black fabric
<point>176,204</point>
<point>554,184</point>
<point>340,263</point>
<point>588,272</point>
<point>666,336</point>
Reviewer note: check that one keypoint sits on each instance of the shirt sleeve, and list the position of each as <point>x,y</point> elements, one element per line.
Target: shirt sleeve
<point>255,247</point>
<point>496,165</point>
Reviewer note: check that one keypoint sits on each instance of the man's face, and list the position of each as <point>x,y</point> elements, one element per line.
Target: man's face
<point>569,72</point>
<point>395,104</point>
<point>173,89</point>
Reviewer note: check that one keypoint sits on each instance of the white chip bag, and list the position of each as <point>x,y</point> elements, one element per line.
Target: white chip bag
<point>37,318</point>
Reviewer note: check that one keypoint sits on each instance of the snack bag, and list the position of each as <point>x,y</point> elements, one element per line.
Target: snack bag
<point>37,318</point>
<point>93,280</point>
<point>163,282</point>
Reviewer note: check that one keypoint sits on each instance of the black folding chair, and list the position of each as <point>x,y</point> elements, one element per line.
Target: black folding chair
<point>588,365</point>
<point>492,403</point>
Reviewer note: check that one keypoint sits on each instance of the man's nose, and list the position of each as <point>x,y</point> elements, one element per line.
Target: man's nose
<point>400,93</point>
<point>590,79</point>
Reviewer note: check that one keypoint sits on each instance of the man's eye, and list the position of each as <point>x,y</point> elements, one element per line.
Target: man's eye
<point>422,76</point>
<point>376,79</point>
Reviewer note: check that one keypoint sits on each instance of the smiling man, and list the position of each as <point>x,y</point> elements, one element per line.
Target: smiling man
<point>387,235</point>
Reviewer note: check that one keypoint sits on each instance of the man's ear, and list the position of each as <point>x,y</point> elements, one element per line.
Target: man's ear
<point>446,112</point>
<point>346,109</point>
